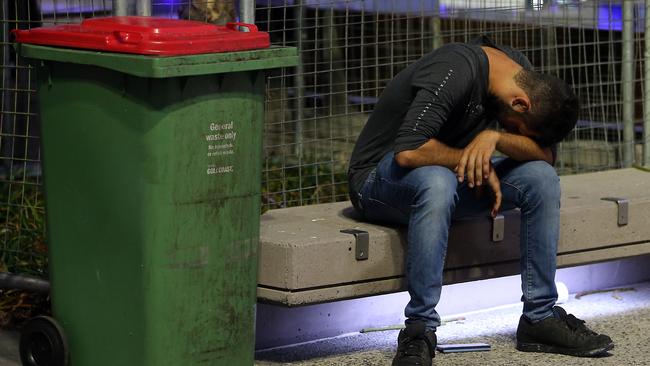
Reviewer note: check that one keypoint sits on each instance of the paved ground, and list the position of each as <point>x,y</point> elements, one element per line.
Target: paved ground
<point>625,316</point>
<point>8,349</point>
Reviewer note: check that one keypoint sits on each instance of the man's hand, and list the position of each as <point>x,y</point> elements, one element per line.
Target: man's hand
<point>475,160</point>
<point>495,186</point>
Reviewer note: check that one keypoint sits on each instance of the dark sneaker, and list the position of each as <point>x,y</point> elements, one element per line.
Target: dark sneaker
<point>563,333</point>
<point>415,346</point>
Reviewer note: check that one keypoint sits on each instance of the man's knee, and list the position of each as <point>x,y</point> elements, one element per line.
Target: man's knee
<point>436,187</point>
<point>542,181</point>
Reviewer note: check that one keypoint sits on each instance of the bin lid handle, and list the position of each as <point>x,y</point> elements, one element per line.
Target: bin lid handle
<point>128,37</point>
<point>233,26</point>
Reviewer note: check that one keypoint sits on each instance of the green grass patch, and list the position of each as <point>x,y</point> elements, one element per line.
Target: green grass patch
<point>22,229</point>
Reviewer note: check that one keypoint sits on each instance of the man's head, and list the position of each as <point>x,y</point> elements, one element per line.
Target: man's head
<point>546,111</point>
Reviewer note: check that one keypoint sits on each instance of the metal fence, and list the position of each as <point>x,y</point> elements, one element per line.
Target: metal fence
<point>349,50</point>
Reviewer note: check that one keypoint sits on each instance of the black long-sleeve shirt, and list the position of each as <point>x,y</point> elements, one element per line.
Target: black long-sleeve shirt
<point>443,95</point>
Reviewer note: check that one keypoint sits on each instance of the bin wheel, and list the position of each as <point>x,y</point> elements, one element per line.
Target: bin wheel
<point>43,343</point>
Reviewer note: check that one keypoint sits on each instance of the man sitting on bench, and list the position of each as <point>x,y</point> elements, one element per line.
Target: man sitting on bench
<point>425,157</point>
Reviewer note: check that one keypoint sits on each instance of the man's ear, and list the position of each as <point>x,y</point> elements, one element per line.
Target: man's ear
<point>520,104</point>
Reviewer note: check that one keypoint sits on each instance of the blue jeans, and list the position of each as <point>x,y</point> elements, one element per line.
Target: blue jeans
<point>427,198</point>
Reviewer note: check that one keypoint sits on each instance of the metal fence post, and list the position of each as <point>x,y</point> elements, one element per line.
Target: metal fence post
<point>646,101</point>
<point>300,82</point>
<point>4,38</point>
<point>247,11</point>
<point>436,25</point>
<point>627,85</point>
<point>4,91</point>
<point>143,8</point>
<point>122,7</point>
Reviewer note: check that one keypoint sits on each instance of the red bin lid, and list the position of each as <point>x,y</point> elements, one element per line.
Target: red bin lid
<point>148,36</point>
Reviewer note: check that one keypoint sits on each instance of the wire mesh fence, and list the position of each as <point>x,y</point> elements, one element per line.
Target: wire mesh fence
<point>22,244</point>
<point>21,209</point>
<point>349,50</point>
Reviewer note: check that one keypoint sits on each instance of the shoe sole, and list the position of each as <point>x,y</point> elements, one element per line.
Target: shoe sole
<point>545,348</point>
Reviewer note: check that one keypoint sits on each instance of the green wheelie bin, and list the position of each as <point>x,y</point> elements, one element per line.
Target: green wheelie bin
<point>152,144</point>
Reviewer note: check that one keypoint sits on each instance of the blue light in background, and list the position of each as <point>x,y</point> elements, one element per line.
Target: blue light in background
<point>58,7</point>
<point>166,8</point>
<point>610,17</point>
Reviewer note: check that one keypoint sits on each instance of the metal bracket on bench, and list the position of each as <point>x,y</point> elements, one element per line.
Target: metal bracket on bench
<point>361,246</point>
<point>498,228</point>
<point>623,205</point>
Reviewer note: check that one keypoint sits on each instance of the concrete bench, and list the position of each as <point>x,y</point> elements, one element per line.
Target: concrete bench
<point>305,258</point>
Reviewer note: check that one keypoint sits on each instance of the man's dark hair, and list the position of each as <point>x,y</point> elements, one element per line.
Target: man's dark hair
<point>554,106</point>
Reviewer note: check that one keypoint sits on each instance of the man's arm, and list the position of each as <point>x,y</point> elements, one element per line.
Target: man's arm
<point>523,148</point>
<point>475,161</point>
<point>432,152</point>
<point>440,84</point>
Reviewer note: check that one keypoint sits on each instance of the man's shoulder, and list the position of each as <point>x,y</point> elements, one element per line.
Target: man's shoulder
<point>455,48</point>
<point>512,52</point>
<point>517,56</point>
<point>463,56</point>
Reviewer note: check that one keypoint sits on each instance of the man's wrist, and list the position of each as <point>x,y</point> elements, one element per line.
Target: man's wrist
<point>496,136</point>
